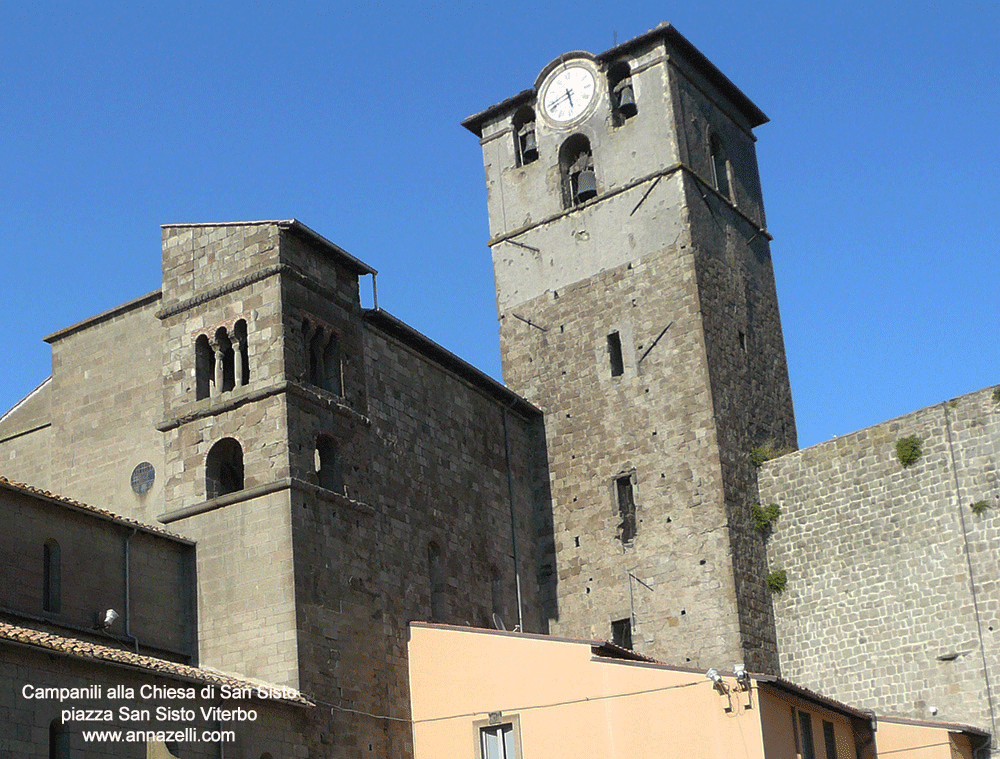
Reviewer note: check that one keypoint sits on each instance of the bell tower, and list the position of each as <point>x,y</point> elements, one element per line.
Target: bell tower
<point>637,308</point>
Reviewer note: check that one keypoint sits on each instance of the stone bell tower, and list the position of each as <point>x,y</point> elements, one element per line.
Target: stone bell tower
<point>637,308</point>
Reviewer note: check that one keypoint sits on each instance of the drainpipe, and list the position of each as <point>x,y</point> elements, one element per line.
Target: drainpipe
<point>128,591</point>
<point>513,524</point>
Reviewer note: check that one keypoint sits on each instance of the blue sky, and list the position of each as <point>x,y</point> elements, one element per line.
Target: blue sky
<point>879,165</point>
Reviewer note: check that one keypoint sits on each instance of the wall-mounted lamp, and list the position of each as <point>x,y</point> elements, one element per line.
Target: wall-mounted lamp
<point>742,676</point>
<point>716,678</point>
<point>105,621</point>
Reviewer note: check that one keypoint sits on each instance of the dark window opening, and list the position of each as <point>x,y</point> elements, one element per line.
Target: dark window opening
<point>51,577</point>
<point>626,509</point>
<point>807,748</point>
<point>58,740</point>
<point>623,105</point>
<point>204,367</point>
<point>743,341</point>
<point>621,633</point>
<point>332,379</point>
<point>525,141</point>
<point>224,469</point>
<point>576,167</point>
<point>328,466</point>
<point>720,166</point>
<point>436,567</point>
<point>830,740</point>
<point>615,354</point>
<point>325,360</point>
<point>224,353</point>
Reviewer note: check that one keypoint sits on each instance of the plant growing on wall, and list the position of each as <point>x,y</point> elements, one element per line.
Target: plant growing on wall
<point>776,581</point>
<point>996,394</point>
<point>908,450</point>
<point>769,450</point>
<point>979,508</point>
<point>764,517</point>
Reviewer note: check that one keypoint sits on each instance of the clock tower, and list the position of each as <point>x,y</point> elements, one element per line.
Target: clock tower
<point>637,308</point>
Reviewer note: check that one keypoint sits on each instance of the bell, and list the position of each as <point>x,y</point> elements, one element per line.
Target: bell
<point>529,148</point>
<point>586,185</point>
<point>626,102</point>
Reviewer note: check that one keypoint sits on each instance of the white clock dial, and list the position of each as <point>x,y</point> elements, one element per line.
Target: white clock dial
<point>569,93</point>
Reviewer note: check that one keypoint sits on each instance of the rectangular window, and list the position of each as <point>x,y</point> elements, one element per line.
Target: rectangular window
<point>621,633</point>
<point>626,509</point>
<point>806,736</point>
<point>830,740</point>
<point>615,354</point>
<point>497,742</point>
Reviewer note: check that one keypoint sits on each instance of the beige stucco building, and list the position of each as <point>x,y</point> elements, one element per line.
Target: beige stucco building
<point>498,695</point>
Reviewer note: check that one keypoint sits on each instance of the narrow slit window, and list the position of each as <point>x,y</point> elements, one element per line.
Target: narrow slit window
<point>626,509</point>
<point>59,747</point>
<point>806,736</point>
<point>51,577</point>
<point>204,367</point>
<point>830,739</point>
<point>436,567</point>
<point>615,354</point>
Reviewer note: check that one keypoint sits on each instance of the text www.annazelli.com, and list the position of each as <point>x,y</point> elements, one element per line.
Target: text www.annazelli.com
<point>187,735</point>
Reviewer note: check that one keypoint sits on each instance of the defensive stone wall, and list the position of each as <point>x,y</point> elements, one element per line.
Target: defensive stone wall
<point>893,600</point>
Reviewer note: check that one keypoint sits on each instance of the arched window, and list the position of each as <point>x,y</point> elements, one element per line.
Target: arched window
<point>224,468</point>
<point>623,105</point>
<point>204,367</point>
<point>720,165</point>
<point>328,469</point>
<point>325,362</point>
<point>58,740</point>
<point>435,563</point>
<point>224,355</point>
<point>576,167</point>
<point>51,577</point>
<point>241,353</point>
<point>525,142</point>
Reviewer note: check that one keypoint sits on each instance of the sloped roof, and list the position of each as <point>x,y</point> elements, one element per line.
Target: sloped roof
<point>59,500</point>
<point>81,649</point>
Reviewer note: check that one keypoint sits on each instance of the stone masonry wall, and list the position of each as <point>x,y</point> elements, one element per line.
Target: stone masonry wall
<point>653,423</point>
<point>893,601</point>
<point>105,400</point>
<point>26,439</point>
<point>429,466</point>
<point>278,729</point>
<point>160,609</point>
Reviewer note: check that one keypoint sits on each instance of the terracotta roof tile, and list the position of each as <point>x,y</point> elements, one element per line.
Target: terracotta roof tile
<point>95,652</point>
<point>21,487</point>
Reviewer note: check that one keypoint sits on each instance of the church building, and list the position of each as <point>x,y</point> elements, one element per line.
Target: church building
<point>342,475</point>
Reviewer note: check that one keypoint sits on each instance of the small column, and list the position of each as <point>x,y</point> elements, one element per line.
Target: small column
<point>219,358</point>
<point>239,375</point>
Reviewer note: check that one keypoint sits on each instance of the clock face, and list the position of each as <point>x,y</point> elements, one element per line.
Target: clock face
<point>569,93</point>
